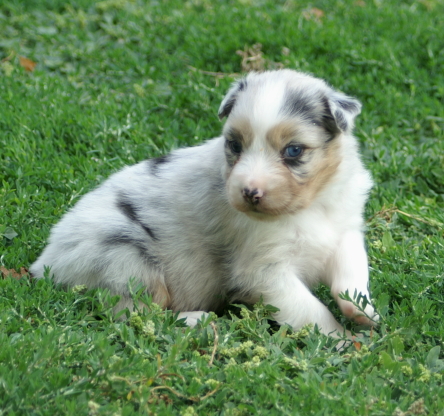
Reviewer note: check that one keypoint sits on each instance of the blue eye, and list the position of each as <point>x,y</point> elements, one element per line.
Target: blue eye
<point>293,151</point>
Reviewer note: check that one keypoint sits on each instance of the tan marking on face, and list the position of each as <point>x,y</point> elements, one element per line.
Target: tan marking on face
<point>281,135</point>
<point>284,192</point>
<point>321,169</point>
<point>295,131</point>
<point>243,129</point>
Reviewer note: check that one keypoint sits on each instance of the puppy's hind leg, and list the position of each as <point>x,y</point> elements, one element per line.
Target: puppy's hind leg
<point>157,289</point>
<point>161,296</point>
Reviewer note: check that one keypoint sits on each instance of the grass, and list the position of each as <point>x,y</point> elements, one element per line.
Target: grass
<point>119,81</point>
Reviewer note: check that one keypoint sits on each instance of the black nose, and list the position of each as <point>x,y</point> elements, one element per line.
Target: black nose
<point>252,195</point>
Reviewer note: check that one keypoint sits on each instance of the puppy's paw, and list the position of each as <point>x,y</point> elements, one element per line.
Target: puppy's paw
<point>367,317</point>
<point>193,317</point>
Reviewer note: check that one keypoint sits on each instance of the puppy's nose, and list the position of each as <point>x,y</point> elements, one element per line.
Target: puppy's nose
<point>252,195</point>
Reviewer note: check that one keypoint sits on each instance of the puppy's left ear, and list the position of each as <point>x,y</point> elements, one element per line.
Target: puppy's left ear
<point>344,110</point>
<point>230,99</point>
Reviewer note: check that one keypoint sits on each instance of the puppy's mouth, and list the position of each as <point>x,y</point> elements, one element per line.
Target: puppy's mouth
<point>255,204</point>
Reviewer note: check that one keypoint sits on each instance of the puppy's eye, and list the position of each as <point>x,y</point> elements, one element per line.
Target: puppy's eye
<point>293,151</point>
<point>235,146</point>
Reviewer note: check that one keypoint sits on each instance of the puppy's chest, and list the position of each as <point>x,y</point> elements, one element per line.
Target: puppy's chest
<point>304,247</point>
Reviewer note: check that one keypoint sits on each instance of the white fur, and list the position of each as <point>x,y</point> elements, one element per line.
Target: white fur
<point>202,249</point>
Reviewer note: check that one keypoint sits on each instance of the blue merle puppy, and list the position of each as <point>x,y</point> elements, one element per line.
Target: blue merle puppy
<point>270,208</point>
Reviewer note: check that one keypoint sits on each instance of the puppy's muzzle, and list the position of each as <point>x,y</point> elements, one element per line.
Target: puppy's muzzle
<point>252,196</point>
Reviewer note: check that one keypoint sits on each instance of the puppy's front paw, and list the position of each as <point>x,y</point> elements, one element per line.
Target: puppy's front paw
<point>193,317</point>
<point>367,317</point>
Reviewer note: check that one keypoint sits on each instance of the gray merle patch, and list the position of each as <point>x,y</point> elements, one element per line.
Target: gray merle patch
<point>158,161</point>
<point>129,210</point>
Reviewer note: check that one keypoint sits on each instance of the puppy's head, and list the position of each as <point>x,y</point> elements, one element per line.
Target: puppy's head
<point>284,138</point>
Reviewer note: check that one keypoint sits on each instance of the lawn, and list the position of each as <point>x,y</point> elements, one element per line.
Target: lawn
<point>88,87</point>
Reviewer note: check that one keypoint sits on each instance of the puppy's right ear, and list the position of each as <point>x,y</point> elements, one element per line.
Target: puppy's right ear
<point>344,110</point>
<point>230,99</point>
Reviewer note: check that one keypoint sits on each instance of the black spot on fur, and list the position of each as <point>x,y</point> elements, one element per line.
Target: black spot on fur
<point>157,161</point>
<point>296,103</point>
<point>226,109</point>
<point>149,231</point>
<point>315,109</point>
<point>242,84</point>
<point>350,105</point>
<point>127,209</point>
<point>328,121</point>
<point>340,120</point>
<point>123,238</point>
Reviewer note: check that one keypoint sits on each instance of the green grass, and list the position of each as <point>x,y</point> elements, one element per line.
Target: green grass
<point>119,81</point>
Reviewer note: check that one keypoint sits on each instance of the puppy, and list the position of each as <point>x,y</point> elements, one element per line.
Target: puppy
<point>271,208</point>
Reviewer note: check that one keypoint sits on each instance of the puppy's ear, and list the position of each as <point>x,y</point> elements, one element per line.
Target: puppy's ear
<point>344,110</point>
<point>230,99</point>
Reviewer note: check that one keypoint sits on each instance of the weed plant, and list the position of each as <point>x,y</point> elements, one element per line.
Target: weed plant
<point>119,81</point>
